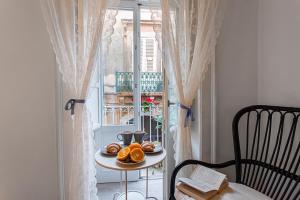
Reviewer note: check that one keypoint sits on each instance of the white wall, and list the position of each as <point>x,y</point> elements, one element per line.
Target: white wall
<point>201,126</point>
<point>28,155</point>
<point>236,70</point>
<point>279,52</point>
<point>257,61</point>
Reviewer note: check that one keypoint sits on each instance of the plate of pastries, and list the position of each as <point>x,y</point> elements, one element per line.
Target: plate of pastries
<point>132,154</point>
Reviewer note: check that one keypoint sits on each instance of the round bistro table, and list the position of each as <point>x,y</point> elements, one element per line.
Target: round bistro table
<point>110,162</point>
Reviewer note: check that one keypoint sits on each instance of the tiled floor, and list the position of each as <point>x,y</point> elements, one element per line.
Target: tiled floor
<point>106,191</point>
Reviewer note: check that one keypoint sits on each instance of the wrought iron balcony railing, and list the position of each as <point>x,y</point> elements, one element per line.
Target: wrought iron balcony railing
<point>150,82</point>
<point>115,115</point>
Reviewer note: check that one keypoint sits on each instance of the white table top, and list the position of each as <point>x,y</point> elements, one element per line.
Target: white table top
<point>110,162</point>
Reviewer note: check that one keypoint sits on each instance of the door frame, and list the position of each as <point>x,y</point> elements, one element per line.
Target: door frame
<point>60,133</point>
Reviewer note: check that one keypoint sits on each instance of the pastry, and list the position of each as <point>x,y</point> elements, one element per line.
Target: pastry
<point>148,147</point>
<point>113,148</point>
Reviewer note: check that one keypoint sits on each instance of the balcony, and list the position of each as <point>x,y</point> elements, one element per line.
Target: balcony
<point>151,82</point>
<point>151,119</point>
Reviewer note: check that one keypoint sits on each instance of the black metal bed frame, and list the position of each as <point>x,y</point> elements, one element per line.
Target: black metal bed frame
<point>269,162</point>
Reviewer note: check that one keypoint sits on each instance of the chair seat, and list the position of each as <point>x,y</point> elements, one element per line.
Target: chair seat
<point>235,191</point>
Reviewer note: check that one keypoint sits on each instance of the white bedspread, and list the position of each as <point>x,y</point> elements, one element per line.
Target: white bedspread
<point>233,192</point>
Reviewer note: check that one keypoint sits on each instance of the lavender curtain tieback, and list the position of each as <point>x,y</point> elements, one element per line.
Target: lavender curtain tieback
<point>189,114</point>
<point>70,105</point>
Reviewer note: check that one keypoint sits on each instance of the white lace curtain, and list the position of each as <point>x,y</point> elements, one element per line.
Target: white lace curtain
<point>189,31</point>
<point>75,28</point>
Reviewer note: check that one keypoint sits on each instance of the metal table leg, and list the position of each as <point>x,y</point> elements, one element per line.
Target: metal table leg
<point>147,186</point>
<point>126,185</point>
<point>117,194</point>
<point>147,183</point>
<point>130,195</point>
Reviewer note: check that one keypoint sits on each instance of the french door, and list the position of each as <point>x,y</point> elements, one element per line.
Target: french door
<point>131,84</point>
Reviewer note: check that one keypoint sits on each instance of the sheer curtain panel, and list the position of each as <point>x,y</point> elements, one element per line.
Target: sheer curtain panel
<point>189,30</point>
<point>75,29</point>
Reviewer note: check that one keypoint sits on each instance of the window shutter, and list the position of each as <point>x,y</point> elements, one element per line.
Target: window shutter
<point>150,53</point>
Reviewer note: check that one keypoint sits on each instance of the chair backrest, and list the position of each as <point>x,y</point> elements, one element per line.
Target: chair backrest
<point>267,150</point>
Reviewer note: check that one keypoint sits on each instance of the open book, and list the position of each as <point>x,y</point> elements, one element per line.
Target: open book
<point>203,184</point>
<point>204,179</point>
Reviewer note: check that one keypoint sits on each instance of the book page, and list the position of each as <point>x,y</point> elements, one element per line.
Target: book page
<point>204,179</point>
<point>198,185</point>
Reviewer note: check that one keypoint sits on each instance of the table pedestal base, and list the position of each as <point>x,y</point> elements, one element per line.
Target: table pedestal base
<point>153,198</point>
<point>132,195</point>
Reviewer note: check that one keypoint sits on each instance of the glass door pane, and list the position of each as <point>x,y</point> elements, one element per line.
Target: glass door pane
<point>151,83</point>
<point>118,80</point>
<point>151,76</point>
<point>117,85</point>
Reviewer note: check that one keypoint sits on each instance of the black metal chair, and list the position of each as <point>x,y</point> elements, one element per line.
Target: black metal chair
<point>267,151</point>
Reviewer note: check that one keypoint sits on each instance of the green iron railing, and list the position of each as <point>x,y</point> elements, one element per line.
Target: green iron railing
<point>150,82</point>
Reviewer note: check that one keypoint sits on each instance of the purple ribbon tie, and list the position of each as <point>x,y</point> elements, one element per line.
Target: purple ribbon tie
<point>189,114</point>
